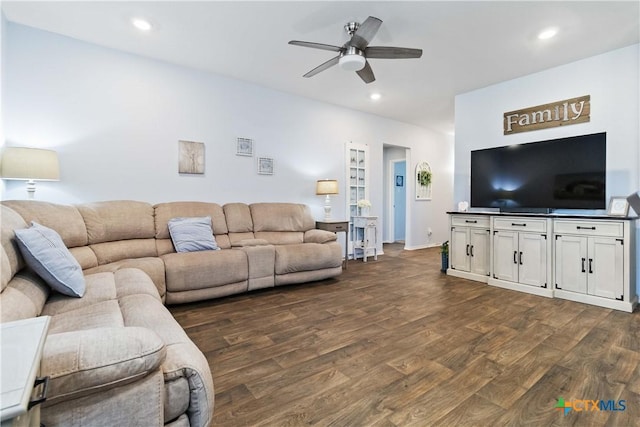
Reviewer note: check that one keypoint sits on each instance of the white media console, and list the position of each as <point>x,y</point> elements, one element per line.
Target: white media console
<point>589,259</point>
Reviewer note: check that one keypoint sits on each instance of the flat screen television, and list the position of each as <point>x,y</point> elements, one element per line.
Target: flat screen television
<point>565,173</point>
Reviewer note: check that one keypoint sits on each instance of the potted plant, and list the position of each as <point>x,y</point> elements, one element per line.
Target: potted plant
<point>424,178</point>
<point>444,253</point>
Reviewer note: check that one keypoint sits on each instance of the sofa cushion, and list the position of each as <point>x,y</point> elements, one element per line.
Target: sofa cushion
<point>105,286</point>
<point>238,218</point>
<point>281,237</point>
<point>250,242</point>
<point>65,219</point>
<point>11,261</point>
<point>183,359</point>
<point>105,314</point>
<point>151,266</point>
<point>84,362</point>
<point>44,251</point>
<point>204,269</point>
<point>136,403</point>
<point>118,220</point>
<point>191,234</point>
<point>108,252</point>
<point>281,217</point>
<point>307,256</point>
<point>319,236</point>
<point>165,211</point>
<point>24,297</point>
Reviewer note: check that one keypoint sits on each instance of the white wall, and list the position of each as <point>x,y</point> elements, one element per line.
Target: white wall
<point>3,49</point>
<point>613,81</point>
<point>115,120</point>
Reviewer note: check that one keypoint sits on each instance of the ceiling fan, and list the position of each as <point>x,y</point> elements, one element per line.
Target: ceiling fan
<point>353,55</point>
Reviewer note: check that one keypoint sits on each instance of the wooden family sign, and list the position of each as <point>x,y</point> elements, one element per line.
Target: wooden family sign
<point>560,113</point>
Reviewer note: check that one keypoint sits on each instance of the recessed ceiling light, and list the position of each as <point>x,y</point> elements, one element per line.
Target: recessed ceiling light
<point>375,96</point>
<point>141,24</point>
<point>548,33</point>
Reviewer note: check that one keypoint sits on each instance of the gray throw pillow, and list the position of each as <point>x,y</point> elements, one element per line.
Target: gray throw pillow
<point>44,251</point>
<point>192,234</point>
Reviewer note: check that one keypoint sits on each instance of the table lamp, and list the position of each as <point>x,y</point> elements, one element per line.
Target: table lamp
<point>326,187</point>
<point>31,165</point>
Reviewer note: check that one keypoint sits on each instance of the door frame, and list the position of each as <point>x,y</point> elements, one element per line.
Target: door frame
<point>391,192</point>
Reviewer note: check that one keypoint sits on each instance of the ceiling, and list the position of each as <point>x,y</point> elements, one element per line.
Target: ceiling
<point>467,44</point>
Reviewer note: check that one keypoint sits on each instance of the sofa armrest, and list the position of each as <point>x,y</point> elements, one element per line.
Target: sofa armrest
<point>83,362</point>
<point>250,242</point>
<point>319,236</point>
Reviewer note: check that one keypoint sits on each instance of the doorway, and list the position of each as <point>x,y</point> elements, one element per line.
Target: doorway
<point>397,209</point>
<point>399,202</point>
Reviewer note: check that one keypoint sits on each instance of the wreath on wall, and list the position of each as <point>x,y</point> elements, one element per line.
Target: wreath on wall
<point>424,178</point>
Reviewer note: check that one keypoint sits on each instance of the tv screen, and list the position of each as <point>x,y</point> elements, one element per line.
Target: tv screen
<point>565,173</point>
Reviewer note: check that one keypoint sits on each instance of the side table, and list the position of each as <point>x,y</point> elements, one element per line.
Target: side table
<point>365,236</point>
<point>22,344</point>
<point>337,226</point>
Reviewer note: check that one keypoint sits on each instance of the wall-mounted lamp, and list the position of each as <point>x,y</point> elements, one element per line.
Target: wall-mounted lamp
<point>325,187</point>
<point>31,165</point>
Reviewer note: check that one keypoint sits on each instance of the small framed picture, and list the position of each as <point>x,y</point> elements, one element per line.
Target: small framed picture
<point>618,206</point>
<point>399,181</point>
<point>244,147</point>
<point>190,157</point>
<point>265,166</point>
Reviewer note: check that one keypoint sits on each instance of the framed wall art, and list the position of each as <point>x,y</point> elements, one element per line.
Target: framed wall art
<point>618,206</point>
<point>191,157</point>
<point>265,166</point>
<point>244,147</point>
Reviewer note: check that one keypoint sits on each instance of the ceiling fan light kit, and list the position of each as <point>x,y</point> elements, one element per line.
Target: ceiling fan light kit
<point>352,62</point>
<point>353,55</point>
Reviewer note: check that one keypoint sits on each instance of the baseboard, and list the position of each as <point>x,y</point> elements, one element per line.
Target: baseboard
<point>628,306</point>
<point>415,248</point>
<point>535,290</point>
<point>467,275</point>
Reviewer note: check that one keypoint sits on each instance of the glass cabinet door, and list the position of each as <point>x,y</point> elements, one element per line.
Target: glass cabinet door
<point>357,156</point>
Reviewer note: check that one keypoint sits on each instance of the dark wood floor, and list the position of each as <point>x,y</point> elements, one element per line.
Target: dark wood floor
<point>394,342</point>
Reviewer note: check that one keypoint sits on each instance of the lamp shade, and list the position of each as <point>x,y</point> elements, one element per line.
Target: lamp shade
<point>326,186</point>
<point>29,164</point>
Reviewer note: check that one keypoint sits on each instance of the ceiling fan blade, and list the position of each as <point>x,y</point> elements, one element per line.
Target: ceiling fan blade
<point>388,52</point>
<point>365,33</point>
<point>330,63</point>
<point>366,74</point>
<point>315,45</point>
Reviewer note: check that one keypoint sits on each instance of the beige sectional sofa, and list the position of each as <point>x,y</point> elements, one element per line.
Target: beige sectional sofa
<point>116,356</point>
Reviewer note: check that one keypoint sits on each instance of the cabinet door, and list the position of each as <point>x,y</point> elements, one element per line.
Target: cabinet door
<point>532,259</point>
<point>605,267</point>
<point>479,251</point>
<point>571,263</point>
<point>505,255</point>
<point>460,248</point>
